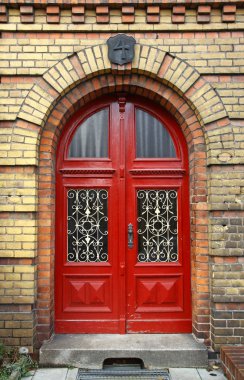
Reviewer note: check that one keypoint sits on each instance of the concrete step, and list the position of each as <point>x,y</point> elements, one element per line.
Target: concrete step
<point>155,350</point>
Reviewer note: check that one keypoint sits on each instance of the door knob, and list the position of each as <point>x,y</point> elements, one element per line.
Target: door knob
<point>130,236</point>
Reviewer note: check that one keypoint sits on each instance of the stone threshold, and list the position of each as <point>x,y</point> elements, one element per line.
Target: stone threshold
<point>157,351</point>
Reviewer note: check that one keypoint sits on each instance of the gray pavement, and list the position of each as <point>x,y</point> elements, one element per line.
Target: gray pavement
<point>176,374</point>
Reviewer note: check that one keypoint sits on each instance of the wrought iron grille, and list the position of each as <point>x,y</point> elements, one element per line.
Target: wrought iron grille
<point>87,225</point>
<point>157,225</point>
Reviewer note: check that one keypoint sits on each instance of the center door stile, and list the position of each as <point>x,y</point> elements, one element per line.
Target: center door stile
<point>121,107</point>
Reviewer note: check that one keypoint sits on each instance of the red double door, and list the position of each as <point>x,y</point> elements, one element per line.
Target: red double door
<point>122,227</point>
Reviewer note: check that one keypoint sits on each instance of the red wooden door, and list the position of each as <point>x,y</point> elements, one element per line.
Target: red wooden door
<point>122,206</point>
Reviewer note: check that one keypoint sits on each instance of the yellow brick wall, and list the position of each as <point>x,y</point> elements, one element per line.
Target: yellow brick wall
<point>36,70</point>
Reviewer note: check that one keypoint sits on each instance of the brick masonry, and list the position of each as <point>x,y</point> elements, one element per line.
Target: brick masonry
<point>190,60</point>
<point>233,362</point>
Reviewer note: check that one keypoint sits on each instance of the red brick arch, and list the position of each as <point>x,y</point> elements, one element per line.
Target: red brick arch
<point>187,119</point>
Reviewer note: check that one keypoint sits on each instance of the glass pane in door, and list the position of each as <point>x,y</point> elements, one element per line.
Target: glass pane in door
<point>91,137</point>
<point>152,138</point>
<point>87,222</point>
<point>157,225</point>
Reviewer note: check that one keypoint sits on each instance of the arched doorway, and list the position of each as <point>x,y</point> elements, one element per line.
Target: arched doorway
<point>122,225</point>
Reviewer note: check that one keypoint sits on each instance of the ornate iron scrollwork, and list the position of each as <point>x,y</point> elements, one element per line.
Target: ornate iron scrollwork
<point>157,225</point>
<point>87,225</point>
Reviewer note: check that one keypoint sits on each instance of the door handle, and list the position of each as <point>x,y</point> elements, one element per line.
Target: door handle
<point>130,236</point>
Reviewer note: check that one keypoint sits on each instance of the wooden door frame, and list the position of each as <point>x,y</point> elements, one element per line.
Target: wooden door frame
<point>100,103</point>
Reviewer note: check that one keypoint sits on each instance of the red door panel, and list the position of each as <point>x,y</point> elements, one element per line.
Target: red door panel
<point>158,275</point>
<point>158,291</point>
<point>112,278</point>
<point>87,293</point>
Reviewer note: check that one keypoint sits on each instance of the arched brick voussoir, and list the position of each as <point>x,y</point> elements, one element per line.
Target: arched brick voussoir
<point>64,75</point>
<point>157,63</point>
<point>37,104</point>
<point>183,78</point>
<point>199,94</point>
<point>92,62</point>
<point>206,101</point>
<point>69,72</point>
<point>180,75</point>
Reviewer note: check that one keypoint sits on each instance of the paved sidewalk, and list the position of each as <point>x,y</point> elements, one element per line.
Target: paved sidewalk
<point>176,374</point>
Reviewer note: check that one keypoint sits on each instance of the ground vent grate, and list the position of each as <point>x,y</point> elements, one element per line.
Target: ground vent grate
<point>142,374</point>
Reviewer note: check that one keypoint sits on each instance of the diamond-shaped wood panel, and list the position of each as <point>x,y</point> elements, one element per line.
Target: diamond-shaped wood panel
<point>87,293</point>
<point>158,293</point>
<point>84,293</point>
<point>77,292</point>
